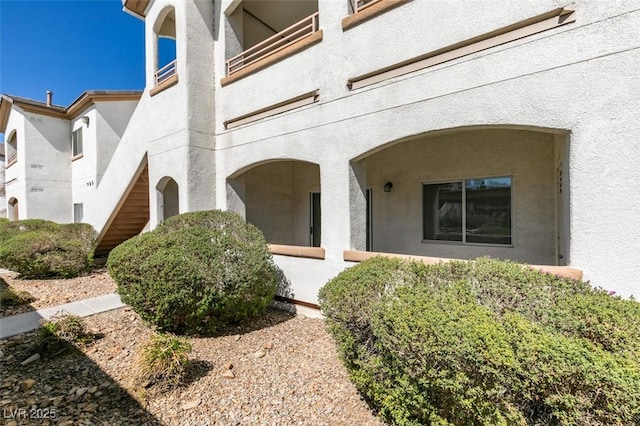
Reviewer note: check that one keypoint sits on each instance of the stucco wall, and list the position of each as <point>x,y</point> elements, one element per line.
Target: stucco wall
<point>47,169</point>
<point>560,80</point>
<point>112,119</point>
<point>173,128</point>
<point>527,157</point>
<point>15,174</point>
<point>83,169</point>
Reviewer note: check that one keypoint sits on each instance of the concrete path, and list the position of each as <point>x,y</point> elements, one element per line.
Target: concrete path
<point>10,326</point>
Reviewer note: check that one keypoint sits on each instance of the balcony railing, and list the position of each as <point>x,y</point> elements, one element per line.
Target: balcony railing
<point>12,159</point>
<point>165,72</point>
<point>359,5</point>
<point>273,44</point>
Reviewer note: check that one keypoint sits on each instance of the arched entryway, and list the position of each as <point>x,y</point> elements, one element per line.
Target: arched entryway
<point>281,198</point>
<point>12,212</point>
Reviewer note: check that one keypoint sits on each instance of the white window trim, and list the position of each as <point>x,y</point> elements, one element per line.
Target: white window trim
<point>464,218</point>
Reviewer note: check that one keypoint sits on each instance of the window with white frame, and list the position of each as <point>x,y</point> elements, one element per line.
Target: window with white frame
<point>77,212</point>
<point>76,142</point>
<point>468,211</point>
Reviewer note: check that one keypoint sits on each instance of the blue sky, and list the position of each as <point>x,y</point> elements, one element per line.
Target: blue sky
<point>68,46</point>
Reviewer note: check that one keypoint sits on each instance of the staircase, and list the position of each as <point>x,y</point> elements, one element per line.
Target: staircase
<point>130,217</point>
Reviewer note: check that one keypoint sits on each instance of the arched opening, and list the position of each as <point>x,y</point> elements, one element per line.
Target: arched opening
<point>11,147</point>
<point>166,53</point>
<point>12,212</point>
<point>465,193</point>
<point>168,198</point>
<point>282,199</point>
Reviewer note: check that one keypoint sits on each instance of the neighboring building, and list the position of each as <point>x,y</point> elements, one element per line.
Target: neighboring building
<point>55,156</point>
<point>394,126</point>
<point>3,198</point>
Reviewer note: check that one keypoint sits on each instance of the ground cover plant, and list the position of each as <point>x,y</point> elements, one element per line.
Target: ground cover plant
<point>196,272</point>
<point>162,362</point>
<point>59,333</point>
<point>38,248</point>
<point>485,342</point>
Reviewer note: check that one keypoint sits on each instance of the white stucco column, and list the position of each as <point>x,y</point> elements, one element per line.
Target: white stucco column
<point>335,190</point>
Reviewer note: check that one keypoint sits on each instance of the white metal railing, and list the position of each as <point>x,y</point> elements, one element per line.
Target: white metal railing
<point>165,72</point>
<point>359,5</point>
<point>273,44</point>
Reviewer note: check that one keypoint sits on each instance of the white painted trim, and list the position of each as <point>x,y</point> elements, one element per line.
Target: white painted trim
<point>288,105</point>
<point>540,23</point>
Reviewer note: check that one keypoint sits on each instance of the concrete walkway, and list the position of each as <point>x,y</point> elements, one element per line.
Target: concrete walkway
<point>10,326</point>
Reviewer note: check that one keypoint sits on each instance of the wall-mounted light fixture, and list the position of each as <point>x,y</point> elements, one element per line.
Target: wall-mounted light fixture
<point>85,119</point>
<point>388,186</point>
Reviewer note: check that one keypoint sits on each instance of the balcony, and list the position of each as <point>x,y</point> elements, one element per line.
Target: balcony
<point>12,160</point>
<point>165,77</point>
<point>274,44</point>
<point>164,73</point>
<point>363,10</point>
<point>360,5</point>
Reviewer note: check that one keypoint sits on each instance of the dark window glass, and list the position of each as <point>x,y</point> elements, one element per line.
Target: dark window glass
<point>488,210</point>
<point>443,211</point>
<point>485,205</point>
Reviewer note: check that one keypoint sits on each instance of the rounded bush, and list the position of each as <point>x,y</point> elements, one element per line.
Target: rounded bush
<point>11,228</point>
<point>196,273</point>
<point>486,342</point>
<point>43,249</point>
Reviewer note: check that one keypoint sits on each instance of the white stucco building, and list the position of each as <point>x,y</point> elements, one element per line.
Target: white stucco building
<point>440,129</point>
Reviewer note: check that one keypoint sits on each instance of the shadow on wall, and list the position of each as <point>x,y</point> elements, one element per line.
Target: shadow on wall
<point>283,288</point>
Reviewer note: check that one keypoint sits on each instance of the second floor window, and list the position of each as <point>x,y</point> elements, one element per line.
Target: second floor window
<point>76,142</point>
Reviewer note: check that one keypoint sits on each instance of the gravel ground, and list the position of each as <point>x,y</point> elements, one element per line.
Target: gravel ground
<point>279,370</point>
<point>58,291</point>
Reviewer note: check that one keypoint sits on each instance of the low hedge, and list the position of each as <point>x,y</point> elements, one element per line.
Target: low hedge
<point>485,342</point>
<point>37,248</point>
<point>196,272</point>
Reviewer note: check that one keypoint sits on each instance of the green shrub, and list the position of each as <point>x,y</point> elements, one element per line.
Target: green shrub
<point>485,342</point>
<point>196,273</point>
<point>348,302</point>
<point>41,249</point>
<point>10,228</point>
<point>162,362</point>
<point>60,331</point>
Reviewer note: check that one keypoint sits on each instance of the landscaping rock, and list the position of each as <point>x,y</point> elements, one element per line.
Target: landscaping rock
<point>191,404</point>
<point>31,359</point>
<point>94,386</point>
<point>27,384</point>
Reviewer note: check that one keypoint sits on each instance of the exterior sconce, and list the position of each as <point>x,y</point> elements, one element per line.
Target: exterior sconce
<point>388,186</point>
<point>85,120</point>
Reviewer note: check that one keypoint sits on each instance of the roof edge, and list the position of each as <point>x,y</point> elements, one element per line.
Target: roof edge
<point>84,101</point>
<point>136,8</point>
<point>90,97</point>
<point>5,108</point>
